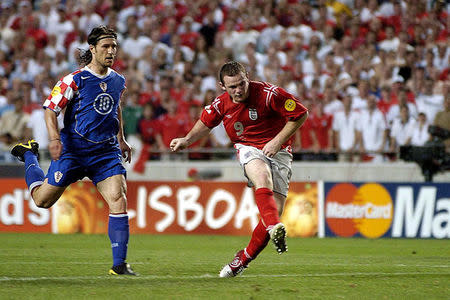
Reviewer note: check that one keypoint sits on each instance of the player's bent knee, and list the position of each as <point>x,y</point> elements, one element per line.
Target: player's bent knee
<point>44,203</point>
<point>46,195</point>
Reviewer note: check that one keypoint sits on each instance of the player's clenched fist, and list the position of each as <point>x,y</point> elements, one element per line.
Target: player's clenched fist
<point>178,144</point>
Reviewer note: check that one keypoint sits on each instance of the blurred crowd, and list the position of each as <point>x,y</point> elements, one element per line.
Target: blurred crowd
<point>374,74</point>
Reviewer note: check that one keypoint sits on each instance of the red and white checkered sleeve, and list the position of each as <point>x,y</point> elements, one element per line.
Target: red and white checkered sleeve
<point>61,94</point>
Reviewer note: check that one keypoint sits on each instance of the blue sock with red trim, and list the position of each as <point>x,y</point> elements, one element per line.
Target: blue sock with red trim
<point>119,232</point>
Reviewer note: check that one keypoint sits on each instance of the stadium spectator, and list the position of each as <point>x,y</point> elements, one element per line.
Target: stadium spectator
<point>394,110</point>
<point>345,124</point>
<point>23,18</point>
<point>149,94</point>
<point>148,127</point>
<point>39,88</point>
<point>63,26</point>
<point>321,131</point>
<point>144,144</point>
<point>391,42</point>
<point>131,113</point>
<point>188,35</point>
<point>331,104</point>
<point>417,80</point>
<point>262,119</point>
<point>372,134</point>
<point>37,130</point>
<point>209,29</point>
<point>385,101</point>
<point>13,123</point>
<point>419,134</point>
<point>89,18</point>
<point>246,35</point>
<point>6,102</point>
<point>269,34</point>
<point>401,129</point>
<point>172,124</point>
<point>134,44</point>
<point>428,101</point>
<point>442,120</point>
<point>201,59</point>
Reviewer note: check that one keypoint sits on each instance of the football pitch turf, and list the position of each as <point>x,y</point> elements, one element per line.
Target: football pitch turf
<point>46,266</point>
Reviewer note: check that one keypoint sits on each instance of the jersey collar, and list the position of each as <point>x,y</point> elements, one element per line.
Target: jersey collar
<point>86,68</point>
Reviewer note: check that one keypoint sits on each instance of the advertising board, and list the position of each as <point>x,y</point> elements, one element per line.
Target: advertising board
<point>156,207</point>
<point>372,210</point>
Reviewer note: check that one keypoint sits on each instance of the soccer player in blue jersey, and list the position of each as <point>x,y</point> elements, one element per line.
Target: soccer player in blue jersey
<point>91,143</point>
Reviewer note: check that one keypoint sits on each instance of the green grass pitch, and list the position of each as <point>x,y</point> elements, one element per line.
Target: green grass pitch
<point>46,266</point>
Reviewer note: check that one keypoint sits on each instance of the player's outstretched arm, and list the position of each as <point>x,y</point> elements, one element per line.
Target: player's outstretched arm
<point>197,132</point>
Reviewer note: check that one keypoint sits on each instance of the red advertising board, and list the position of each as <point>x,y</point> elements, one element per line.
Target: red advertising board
<point>156,207</point>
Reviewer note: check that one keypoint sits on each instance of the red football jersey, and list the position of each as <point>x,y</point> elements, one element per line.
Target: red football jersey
<point>259,119</point>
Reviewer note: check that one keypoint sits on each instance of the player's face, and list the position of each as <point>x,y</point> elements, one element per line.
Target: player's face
<point>237,87</point>
<point>105,52</point>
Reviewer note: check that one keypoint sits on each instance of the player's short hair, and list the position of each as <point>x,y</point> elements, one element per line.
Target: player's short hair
<point>231,68</point>
<point>97,33</point>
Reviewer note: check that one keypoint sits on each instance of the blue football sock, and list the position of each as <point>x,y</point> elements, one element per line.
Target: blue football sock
<point>119,232</point>
<point>34,176</point>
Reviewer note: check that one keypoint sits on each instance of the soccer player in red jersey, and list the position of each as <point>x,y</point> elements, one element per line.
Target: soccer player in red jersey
<point>260,120</point>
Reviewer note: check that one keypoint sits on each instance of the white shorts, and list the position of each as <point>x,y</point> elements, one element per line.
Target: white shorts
<point>280,165</point>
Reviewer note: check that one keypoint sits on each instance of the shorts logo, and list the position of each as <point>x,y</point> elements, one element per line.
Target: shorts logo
<point>103,86</point>
<point>56,91</point>
<point>289,105</point>
<point>103,104</point>
<point>366,209</point>
<point>253,114</point>
<point>58,176</point>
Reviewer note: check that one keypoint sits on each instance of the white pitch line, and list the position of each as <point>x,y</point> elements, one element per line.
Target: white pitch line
<point>359,265</point>
<point>207,276</point>
<point>262,263</point>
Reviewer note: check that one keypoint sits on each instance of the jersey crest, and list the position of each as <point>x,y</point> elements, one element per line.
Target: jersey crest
<point>253,114</point>
<point>103,86</point>
<point>58,175</point>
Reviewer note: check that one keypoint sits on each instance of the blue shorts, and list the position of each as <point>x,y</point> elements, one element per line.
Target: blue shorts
<point>98,166</point>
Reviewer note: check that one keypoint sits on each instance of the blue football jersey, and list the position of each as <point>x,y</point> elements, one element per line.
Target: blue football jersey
<point>91,103</point>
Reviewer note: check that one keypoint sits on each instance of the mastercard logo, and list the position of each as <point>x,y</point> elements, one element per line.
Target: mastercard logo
<point>366,209</point>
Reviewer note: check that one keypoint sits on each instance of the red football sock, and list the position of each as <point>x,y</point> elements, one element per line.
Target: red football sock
<point>267,206</point>
<point>259,240</point>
